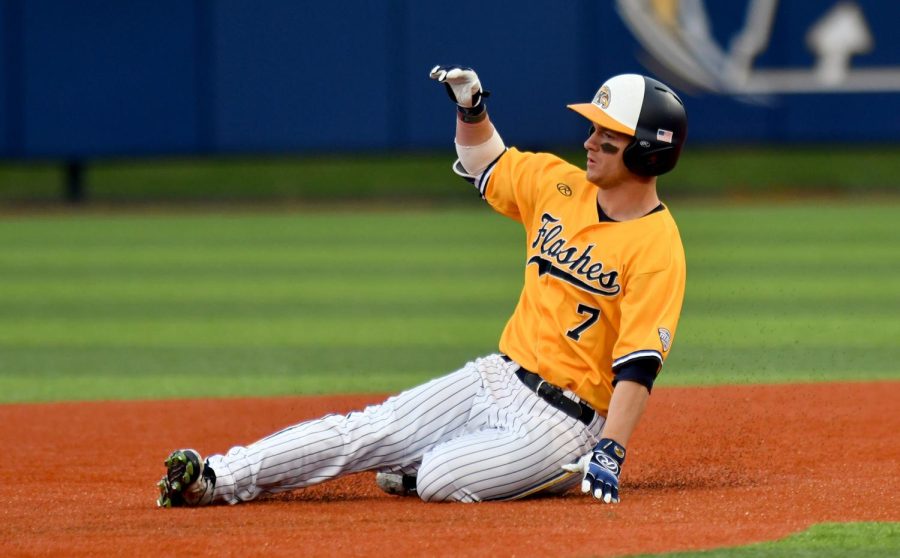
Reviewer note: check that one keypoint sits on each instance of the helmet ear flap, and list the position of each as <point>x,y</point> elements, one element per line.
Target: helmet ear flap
<point>632,157</point>
<point>660,132</point>
<point>649,159</point>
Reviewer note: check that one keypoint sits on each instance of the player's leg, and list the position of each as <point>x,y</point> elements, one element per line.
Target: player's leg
<point>518,453</point>
<point>394,433</point>
<point>501,464</point>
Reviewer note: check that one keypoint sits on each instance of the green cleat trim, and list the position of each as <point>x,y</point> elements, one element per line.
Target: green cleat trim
<point>182,469</point>
<point>163,501</point>
<point>175,458</point>
<point>188,472</point>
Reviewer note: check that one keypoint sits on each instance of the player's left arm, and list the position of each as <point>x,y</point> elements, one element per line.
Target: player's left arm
<point>601,467</point>
<point>629,400</point>
<point>651,305</point>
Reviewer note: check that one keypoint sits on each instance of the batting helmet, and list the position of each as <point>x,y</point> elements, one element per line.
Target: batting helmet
<point>646,109</point>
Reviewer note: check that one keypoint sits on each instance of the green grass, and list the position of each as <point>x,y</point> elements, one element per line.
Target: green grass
<point>702,171</point>
<point>98,306</point>
<point>246,179</point>
<point>856,169</point>
<point>828,540</point>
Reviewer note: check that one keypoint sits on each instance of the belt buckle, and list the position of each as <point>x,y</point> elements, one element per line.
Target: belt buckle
<point>552,394</point>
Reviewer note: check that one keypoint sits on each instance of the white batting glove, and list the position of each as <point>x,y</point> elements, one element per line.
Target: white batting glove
<point>462,85</point>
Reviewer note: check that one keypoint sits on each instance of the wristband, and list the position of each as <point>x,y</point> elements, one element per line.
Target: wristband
<point>613,449</point>
<point>472,115</point>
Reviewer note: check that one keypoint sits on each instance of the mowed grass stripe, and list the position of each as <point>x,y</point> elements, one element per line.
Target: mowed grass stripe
<point>826,540</point>
<point>352,328</point>
<point>193,305</point>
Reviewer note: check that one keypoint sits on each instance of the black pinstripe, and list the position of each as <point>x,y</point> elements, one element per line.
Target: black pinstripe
<point>502,464</point>
<point>499,466</point>
<point>480,430</point>
<point>288,459</point>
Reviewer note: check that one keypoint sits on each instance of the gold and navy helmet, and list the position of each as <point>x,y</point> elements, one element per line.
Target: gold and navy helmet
<point>649,111</point>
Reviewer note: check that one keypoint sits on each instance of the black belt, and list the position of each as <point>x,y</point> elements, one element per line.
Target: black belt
<point>554,395</point>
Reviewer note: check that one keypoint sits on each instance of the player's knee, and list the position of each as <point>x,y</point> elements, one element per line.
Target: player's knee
<point>436,482</point>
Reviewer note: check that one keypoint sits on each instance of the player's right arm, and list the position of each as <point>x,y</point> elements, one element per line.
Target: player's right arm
<point>483,158</point>
<point>478,145</point>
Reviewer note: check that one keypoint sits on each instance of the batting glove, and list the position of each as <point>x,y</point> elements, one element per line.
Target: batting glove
<point>601,470</point>
<point>464,89</point>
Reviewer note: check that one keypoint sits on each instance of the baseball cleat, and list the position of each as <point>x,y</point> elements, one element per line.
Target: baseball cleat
<point>187,482</point>
<point>397,484</point>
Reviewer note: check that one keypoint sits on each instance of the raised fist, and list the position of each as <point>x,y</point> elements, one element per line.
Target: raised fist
<point>462,85</point>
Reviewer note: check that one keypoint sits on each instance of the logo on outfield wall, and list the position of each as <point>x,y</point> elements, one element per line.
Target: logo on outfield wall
<point>679,35</point>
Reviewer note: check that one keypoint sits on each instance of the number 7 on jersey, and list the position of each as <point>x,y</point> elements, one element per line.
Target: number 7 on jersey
<point>593,315</point>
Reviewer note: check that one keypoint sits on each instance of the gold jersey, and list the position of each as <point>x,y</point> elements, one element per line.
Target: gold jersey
<point>597,294</point>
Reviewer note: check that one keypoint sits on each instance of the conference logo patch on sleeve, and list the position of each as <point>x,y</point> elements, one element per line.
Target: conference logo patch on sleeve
<point>665,338</point>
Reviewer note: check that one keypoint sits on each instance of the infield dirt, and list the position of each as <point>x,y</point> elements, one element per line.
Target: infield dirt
<point>709,467</point>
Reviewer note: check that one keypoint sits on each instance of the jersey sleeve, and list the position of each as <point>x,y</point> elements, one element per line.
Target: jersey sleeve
<point>651,305</point>
<point>510,184</point>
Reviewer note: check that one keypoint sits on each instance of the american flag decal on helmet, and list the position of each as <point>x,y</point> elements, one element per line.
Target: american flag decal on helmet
<point>664,135</point>
<point>665,338</point>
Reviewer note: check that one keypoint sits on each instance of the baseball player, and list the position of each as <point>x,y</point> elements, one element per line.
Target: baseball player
<point>603,288</point>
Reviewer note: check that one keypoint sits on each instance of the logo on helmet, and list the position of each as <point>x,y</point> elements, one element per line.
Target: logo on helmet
<point>602,97</point>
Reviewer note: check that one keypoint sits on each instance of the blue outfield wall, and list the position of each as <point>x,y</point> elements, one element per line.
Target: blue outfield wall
<point>106,78</point>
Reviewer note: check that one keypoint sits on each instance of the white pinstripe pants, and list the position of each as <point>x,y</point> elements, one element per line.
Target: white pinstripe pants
<point>475,434</point>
